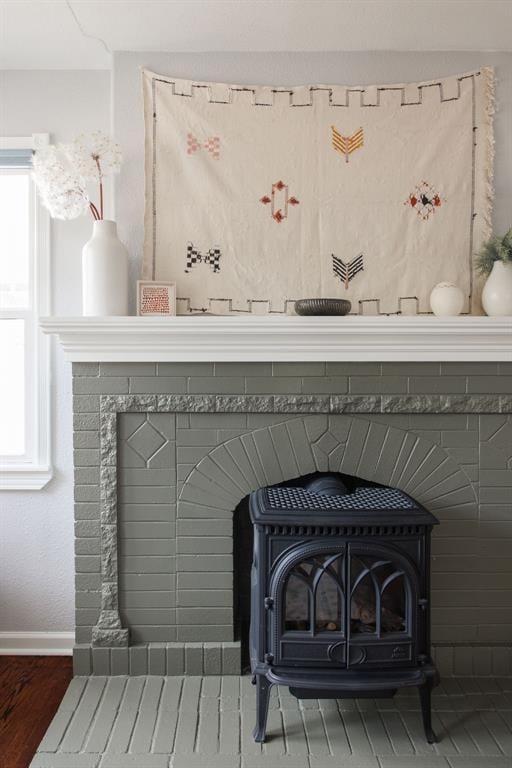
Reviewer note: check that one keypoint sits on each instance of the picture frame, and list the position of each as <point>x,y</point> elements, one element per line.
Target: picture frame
<point>156,298</point>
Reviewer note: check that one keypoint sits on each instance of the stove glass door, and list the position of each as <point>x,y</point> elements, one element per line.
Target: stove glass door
<point>346,604</point>
<point>310,613</point>
<point>382,608</point>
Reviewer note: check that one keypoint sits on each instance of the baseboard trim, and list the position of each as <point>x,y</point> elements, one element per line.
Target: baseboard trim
<point>36,643</point>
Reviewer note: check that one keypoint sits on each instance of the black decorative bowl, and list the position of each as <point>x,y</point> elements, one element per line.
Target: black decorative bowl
<point>322,307</point>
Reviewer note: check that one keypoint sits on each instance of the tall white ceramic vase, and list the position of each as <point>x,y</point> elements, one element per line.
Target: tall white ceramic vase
<point>104,272</point>
<point>497,291</point>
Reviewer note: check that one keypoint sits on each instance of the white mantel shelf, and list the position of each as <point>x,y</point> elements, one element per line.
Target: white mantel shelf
<point>277,338</point>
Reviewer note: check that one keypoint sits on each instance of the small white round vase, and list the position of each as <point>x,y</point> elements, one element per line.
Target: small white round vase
<point>497,292</point>
<point>446,300</point>
<point>104,272</point>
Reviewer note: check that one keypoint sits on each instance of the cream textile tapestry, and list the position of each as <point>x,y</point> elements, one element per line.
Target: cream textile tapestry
<point>258,196</point>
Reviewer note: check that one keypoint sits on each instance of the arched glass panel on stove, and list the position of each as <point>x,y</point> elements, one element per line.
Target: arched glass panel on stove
<point>298,600</point>
<point>378,596</point>
<point>314,595</point>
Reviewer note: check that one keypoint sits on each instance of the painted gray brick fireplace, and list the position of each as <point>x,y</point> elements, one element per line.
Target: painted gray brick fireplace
<point>165,452</point>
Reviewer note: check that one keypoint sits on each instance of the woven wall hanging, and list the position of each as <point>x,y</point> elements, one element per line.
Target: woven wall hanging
<point>258,196</point>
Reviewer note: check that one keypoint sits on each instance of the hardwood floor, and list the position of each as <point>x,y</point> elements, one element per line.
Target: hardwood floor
<point>31,688</point>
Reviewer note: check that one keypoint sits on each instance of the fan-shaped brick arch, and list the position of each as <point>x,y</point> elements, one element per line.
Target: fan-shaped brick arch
<point>355,446</point>
<point>299,446</point>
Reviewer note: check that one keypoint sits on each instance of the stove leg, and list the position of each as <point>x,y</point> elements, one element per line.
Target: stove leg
<point>426,711</point>
<point>262,698</point>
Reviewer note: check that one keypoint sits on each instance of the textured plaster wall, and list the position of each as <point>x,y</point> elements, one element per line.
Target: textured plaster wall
<point>36,528</point>
<point>347,68</point>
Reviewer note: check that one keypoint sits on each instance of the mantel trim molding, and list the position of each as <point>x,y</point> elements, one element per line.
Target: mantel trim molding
<point>283,338</point>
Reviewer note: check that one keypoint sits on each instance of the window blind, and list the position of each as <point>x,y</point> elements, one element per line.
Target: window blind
<point>15,158</point>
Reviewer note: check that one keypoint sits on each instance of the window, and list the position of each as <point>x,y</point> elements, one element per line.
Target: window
<point>24,298</point>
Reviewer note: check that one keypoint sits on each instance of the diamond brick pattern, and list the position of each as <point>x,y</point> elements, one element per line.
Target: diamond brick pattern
<point>206,722</point>
<point>327,443</point>
<point>146,441</point>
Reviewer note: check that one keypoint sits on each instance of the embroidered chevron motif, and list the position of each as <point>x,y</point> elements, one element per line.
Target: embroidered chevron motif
<point>346,271</point>
<point>347,144</point>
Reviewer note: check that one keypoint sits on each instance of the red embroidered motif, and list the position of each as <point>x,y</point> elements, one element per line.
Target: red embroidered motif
<point>424,200</point>
<point>279,201</point>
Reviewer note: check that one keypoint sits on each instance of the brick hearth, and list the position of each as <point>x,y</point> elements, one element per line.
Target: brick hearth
<point>194,722</point>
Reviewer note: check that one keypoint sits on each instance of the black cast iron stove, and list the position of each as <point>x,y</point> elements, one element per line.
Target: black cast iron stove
<point>340,591</point>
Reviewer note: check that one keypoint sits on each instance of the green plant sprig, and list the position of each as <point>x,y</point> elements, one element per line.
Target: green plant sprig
<point>495,249</point>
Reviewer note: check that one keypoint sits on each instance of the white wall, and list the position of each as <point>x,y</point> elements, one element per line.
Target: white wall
<point>36,528</point>
<point>351,68</point>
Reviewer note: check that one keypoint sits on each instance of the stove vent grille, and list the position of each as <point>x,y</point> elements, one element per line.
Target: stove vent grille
<point>368,499</point>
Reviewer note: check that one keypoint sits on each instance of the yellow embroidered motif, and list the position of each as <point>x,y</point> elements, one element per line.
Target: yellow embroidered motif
<point>347,144</point>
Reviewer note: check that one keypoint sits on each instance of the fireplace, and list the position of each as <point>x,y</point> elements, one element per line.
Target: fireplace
<point>176,423</point>
<point>178,420</point>
<point>340,603</point>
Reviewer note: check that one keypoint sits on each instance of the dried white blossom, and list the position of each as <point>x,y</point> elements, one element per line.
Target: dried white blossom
<point>67,204</point>
<point>94,155</point>
<point>62,173</point>
<point>59,186</point>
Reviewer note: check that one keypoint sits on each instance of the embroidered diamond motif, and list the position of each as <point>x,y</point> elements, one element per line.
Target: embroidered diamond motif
<point>279,201</point>
<point>146,441</point>
<point>424,200</point>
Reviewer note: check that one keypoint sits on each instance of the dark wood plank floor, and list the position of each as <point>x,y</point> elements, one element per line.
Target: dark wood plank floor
<point>31,688</point>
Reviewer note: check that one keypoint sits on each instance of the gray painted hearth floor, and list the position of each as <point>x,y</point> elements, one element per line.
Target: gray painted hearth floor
<point>206,722</point>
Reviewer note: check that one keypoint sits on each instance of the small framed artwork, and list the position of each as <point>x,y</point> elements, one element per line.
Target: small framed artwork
<point>155,299</point>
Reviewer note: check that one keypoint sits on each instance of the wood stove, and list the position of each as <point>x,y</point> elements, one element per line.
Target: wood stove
<point>340,591</point>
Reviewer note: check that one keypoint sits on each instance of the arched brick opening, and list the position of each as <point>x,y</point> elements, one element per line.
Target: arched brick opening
<point>356,446</point>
